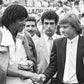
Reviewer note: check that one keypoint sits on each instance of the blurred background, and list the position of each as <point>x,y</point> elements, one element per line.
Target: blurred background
<point>37,7</point>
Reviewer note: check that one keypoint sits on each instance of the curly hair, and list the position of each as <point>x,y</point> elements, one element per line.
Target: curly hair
<point>33,19</point>
<point>50,15</point>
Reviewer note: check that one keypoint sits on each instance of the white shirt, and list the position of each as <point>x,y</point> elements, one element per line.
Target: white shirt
<point>7,40</point>
<point>49,43</point>
<point>55,36</point>
<point>16,52</point>
<point>70,64</point>
<point>35,38</point>
<point>20,54</point>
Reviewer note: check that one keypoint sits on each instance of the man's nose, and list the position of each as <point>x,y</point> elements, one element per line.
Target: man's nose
<point>30,28</point>
<point>62,30</point>
<point>49,26</point>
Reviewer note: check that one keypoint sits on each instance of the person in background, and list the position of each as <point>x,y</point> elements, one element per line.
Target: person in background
<point>67,55</point>
<point>76,8</point>
<point>31,28</point>
<point>44,44</point>
<point>13,22</point>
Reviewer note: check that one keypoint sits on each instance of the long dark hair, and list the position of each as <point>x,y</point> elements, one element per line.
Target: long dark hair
<point>13,13</point>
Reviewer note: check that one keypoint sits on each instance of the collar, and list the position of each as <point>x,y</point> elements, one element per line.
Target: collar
<point>75,39</point>
<point>53,37</point>
<point>34,36</point>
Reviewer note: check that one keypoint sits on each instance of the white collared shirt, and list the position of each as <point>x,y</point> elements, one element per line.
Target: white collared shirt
<point>55,36</point>
<point>16,50</point>
<point>15,56</point>
<point>20,53</point>
<point>48,43</point>
<point>70,64</point>
<point>7,40</point>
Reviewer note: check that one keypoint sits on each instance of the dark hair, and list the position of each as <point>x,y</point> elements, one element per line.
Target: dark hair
<point>72,19</point>
<point>1,2</point>
<point>50,15</point>
<point>58,30</point>
<point>76,2</point>
<point>32,19</point>
<point>13,13</point>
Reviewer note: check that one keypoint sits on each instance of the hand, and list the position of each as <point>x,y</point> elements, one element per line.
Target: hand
<point>38,78</point>
<point>42,77</point>
<point>35,77</point>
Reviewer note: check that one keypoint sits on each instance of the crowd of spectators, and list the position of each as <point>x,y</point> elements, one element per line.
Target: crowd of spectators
<point>60,6</point>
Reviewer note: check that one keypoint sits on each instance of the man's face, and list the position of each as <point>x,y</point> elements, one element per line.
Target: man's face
<point>19,25</point>
<point>49,27</point>
<point>30,27</point>
<point>67,30</point>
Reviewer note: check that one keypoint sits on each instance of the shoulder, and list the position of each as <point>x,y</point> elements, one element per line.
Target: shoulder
<point>29,39</point>
<point>59,39</point>
<point>81,38</point>
<point>27,35</point>
<point>39,40</point>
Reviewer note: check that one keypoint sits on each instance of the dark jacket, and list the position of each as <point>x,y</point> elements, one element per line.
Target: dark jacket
<point>57,60</point>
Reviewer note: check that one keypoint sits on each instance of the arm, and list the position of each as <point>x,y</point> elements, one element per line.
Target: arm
<point>18,73</point>
<point>22,74</point>
<point>13,66</point>
<point>52,68</point>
